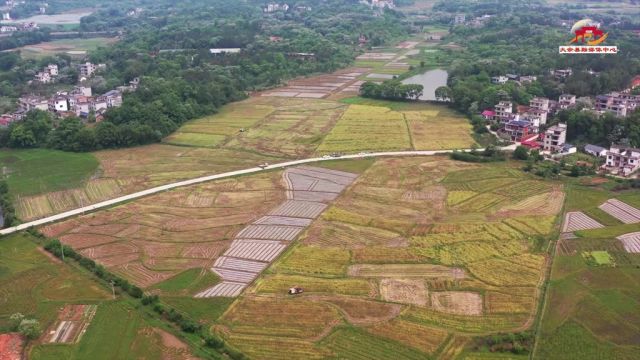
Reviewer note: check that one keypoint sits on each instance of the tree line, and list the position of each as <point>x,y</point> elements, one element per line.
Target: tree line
<point>391,90</point>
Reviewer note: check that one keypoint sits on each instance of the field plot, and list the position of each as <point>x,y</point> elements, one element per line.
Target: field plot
<point>35,285</point>
<point>621,211</point>
<point>155,238</point>
<point>294,128</point>
<point>321,86</point>
<point>405,268</point>
<point>439,128</point>
<point>367,128</point>
<point>258,244</point>
<point>213,130</point>
<point>72,47</point>
<point>592,304</point>
<point>631,242</point>
<point>576,220</point>
<point>377,127</point>
<point>143,167</point>
<point>71,324</point>
<point>118,331</point>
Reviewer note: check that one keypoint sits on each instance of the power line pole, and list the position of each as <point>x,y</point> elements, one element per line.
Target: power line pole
<point>62,250</point>
<point>113,290</point>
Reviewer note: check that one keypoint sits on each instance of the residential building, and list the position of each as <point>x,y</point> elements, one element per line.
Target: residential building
<point>561,74</point>
<point>29,103</point>
<point>499,80</point>
<point>622,160</point>
<point>43,77</point>
<point>539,103</point>
<point>273,7</point>
<point>512,77</point>
<point>503,111</point>
<point>618,103</point>
<point>225,51</point>
<point>459,19</point>
<point>87,69</point>
<point>6,119</point>
<point>516,130</point>
<point>81,90</point>
<point>635,82</point>
<point>555,138</point>
<point>52,69</point>
<point>528,79</point>
<point>595,150</point>
<point>59,103</point>
<point>113,98</point>
<point>8,29</point>
<point>488,114</point>
<point>536,117</point>
<point>6,16</point>
<point>566,101</point>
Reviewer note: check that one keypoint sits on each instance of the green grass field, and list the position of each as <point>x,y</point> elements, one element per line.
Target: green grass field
<point>73,47</point>
<point>36,286</point>
<point>36,171</point>
<point>188,282</point>
<point>592,308</point>
<point>118,331</point>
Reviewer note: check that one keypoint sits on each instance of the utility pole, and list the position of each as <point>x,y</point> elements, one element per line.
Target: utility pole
<point>62,250</point>
<point>113,290</point>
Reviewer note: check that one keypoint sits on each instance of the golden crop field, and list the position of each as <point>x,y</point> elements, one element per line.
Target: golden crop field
<point>417,254</point>
<point>367,128</point>
<point>439,129</point>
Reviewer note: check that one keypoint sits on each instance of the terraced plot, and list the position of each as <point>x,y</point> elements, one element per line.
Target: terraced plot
<point>259,243</point>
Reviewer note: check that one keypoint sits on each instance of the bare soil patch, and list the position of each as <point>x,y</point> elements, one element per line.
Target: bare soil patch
<point>457,302</point>
<point>405,291</point>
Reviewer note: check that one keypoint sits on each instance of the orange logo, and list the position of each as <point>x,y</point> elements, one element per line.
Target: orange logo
<point>588,32</point>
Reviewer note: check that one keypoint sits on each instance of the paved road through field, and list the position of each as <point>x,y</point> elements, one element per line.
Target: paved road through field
<point>202,179</point>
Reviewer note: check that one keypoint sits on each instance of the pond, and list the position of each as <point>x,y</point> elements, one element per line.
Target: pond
<point>431,80</point>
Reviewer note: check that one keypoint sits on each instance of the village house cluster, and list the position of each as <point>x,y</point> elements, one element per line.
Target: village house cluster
<point>527,125</point>
<point>78,102</point>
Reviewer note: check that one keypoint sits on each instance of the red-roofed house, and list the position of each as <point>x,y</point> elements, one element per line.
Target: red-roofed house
<point>5,120</point>
<point>488,114</point>
<point>635,82</point>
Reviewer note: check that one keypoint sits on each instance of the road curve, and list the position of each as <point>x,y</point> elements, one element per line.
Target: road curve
<point>202,179</point>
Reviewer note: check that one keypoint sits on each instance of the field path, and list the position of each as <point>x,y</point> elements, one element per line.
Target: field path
<point>158,189</point>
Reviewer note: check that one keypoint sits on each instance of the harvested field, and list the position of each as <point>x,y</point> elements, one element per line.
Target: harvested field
<point>457,302</point>
<point>631,242</point>
<point>574,221</point>
<point>405,291</point>
<point>320,86</point>
<point>423,338</point>
<point>394,232</point>
<point>154,238</point>
<point>406,270</point>
<point>294,128</point>
<point>621,211</point>
<point>296,318</point>
<point>364,312</point>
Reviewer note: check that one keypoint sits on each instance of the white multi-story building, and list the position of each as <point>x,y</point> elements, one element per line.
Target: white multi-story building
<point>52,69</point>
<point>539,103</point>
<point>503,111</point>
<point>59,103</point>
<point>555,138</point>
<point>622,160</point>
<point>566,101</point>
<point>43,77</point>
<point>499,80</point>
